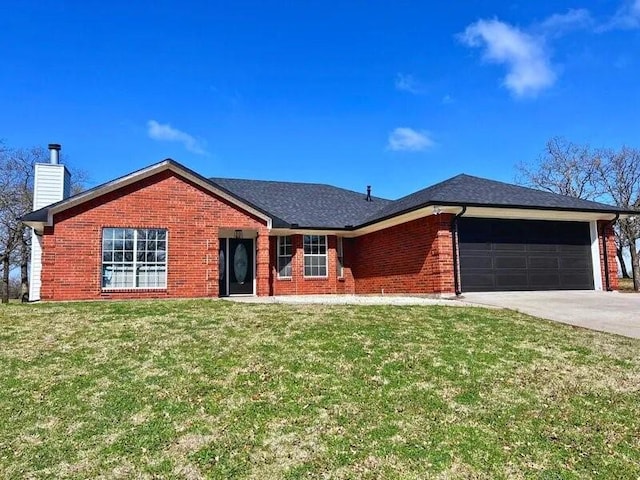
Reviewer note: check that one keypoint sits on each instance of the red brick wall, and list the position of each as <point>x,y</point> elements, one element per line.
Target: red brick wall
<point>192,216</point>
<point>298,284</point>
<point>611,255</point>
<point>415,257</point>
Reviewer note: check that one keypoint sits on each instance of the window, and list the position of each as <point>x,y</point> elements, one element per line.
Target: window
<point>315,255</point>
<point>284,257</point>
<point>340,259</point>
<point>134,258</point>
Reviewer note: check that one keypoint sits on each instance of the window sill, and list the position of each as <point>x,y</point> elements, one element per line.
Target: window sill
<point>315,278</point>
<point>341,279</point>
<point>133,289</point>
<point>285,279</point>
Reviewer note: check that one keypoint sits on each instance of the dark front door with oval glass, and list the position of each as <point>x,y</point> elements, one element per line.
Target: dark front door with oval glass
<point>240,266</point>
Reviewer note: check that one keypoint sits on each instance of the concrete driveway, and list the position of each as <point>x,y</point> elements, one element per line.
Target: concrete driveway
<point>604,311</point>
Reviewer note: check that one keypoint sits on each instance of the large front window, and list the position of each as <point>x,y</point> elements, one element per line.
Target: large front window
<point>134,258</point>
<point>315,255</point>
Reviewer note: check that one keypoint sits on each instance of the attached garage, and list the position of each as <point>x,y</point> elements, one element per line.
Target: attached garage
<point>507,255</point>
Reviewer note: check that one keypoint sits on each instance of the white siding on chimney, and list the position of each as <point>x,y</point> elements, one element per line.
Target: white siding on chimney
<point>51,184</point>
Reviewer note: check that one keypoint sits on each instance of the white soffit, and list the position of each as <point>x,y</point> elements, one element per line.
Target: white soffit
<point>526,214</point>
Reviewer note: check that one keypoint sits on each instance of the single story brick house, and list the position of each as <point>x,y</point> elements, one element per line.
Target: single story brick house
<point>167,231</point>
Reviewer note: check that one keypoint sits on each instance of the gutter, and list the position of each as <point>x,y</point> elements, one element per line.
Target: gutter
<point>607,280</point>
<point>454,241</point>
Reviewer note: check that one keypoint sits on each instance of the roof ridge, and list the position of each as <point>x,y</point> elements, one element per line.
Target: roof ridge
<point>288,182</point>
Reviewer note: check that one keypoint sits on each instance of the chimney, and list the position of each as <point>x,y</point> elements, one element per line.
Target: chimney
<point>368,199</point>
<point>54,153</point>
<point>51,183</point>
<point>51,180</point>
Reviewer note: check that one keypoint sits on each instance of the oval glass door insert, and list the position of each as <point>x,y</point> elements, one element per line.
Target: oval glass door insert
<point>221,265</point>
<point>240,263</point>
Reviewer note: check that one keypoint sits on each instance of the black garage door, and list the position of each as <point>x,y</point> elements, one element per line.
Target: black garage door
<point>500,255</point>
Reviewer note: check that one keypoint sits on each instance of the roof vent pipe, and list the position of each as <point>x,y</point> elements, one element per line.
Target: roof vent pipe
<point>54,153</point>
<point>368,193</point>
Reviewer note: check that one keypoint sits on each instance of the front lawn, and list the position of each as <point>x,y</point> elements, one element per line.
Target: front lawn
<point>199,389</point>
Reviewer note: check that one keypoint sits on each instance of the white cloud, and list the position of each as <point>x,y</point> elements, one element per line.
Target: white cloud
<point>525,56</point>
<point>408,83</point>
<point>166,133</point>
<point>408,139</point>
<point>560,23</point>
<point>627,17</point>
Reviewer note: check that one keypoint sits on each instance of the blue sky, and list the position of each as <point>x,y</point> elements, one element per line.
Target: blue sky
<point>398,95</point>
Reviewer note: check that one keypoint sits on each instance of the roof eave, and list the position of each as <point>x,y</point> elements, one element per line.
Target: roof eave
<point>612,211</point>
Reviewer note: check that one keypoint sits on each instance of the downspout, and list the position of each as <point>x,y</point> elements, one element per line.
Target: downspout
<point>454,241</point>
<point>607,281</point>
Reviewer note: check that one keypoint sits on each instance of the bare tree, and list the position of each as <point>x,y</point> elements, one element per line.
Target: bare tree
<point>564,167</point>
<point>16,199</point>
<point>619,175</point>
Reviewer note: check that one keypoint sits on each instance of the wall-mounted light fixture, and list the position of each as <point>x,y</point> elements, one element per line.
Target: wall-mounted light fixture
<point>436,210</point>
<point>238,233</point>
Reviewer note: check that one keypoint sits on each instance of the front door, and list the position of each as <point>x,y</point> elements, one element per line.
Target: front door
<point>240,266</point>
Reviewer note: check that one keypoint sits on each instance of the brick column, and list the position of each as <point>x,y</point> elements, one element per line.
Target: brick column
<point>262,263</point>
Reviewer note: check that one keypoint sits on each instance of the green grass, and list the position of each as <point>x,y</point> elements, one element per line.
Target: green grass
<point>213,389</point>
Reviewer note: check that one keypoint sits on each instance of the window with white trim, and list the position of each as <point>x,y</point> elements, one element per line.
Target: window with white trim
<point>284,256</point>
<point>315,255</point>
<point>340,258</point>
<point>134,258</point>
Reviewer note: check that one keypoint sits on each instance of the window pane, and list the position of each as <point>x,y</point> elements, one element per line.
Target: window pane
<point>133,258</point>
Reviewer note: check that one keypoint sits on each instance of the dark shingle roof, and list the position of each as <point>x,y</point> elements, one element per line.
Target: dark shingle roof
<point>475,191</point>
<point>310,205</point>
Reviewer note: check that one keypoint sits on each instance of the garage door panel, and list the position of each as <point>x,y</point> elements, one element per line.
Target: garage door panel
<point>552,263</point>
<point>542,248</point>
<point>577,250</point>
<point>542,280</point>
<point>575,262</point>
<point>478,247</point>
<point>498,254</point>
<point>480,281</point>
<point>511,281</point>
<point>482,262</point>
<point>509,247</point>
<point>503,262</point>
